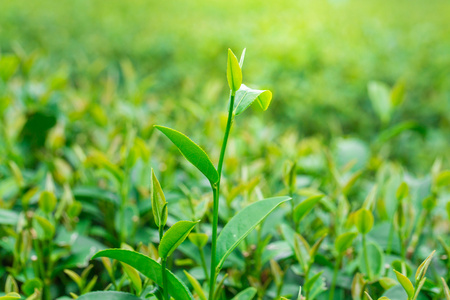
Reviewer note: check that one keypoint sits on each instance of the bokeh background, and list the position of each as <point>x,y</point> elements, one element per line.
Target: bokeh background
<point>165,60</point>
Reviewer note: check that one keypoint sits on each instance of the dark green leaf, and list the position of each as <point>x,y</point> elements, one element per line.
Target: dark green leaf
<point>108,295</point>
<point>174,237</point>
<point>193,153</point>
<point>149,268</point>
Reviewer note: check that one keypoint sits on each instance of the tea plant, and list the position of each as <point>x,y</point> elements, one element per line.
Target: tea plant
<point>234,232</point>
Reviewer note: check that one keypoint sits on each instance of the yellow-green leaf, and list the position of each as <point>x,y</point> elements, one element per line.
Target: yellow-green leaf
<point>47,202</point>
<point>198,239</point>
<point>135,279</point>
<point>363,220</point>
<point>234,72</point>
<point>196,285</point>
<point>406,284</point>
<point>158,202</point>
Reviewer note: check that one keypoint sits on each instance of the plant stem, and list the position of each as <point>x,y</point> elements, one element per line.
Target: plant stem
<point>335,274</point>
<point>306,279</point>
<point>216,191</point>
<point>203,260</point>
<point>164,278</point>
<point>366,257</point>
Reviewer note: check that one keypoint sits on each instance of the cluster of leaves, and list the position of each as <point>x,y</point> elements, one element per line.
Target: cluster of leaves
<point>357,224</point>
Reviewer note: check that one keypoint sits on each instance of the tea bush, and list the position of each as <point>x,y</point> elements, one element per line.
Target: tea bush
<point>337,188</point>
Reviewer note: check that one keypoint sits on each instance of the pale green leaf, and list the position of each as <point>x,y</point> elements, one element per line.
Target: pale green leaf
<point>446,289</point>
<point>422,269</point>
<point>245,96</point>
<point>247,294</point>
<point>196,285</point>
<point>198,239</point>
<point>134,276</point>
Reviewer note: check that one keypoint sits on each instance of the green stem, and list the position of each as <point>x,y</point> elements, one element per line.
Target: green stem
<point>306,279</point>
<point>335,274</point>
<point>164,278</point>
<point>203,260</point>
<point>390,238</point>
<point>366,257</point>
<point>417,233</point>
<point>216,191</point>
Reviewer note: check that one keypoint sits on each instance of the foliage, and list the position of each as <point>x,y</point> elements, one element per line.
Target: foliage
<point>96,202</point>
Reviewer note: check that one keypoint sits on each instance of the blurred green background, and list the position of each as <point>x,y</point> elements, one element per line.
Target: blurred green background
<point>145,62</point>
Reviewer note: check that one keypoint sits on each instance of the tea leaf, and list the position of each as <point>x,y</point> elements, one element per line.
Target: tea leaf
<point>174,237</point>
<point>247,294</point>
<point>10,296</point>
<point>158,202</point>
<point>134,277</point>
<point>234,72</point>
<point>198,239</point>
<point>276,272</point>
<point>402,191</point>
<point>8,217</point>
<point>149,268</point>
<point>446,289</point>
<point>309,284</point>
<point>422,269</point>
<point>108,295</point>
<point>302,250</point>
<point>245,96</point>
<point>192,152</point>
<point>406,284</point>
<point>11,285</point>
<point>376,259</point>
<point>47,202</point>
<point>305,207</point>
<point>196,285</point>
<point>47,228</point>
<point>242,224</point>
<point>30,285</point>
<point>344,241</point>
<point>379,94</point>
<point>241,60</point>
<point>387,282</point>
<point>363,220</point>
